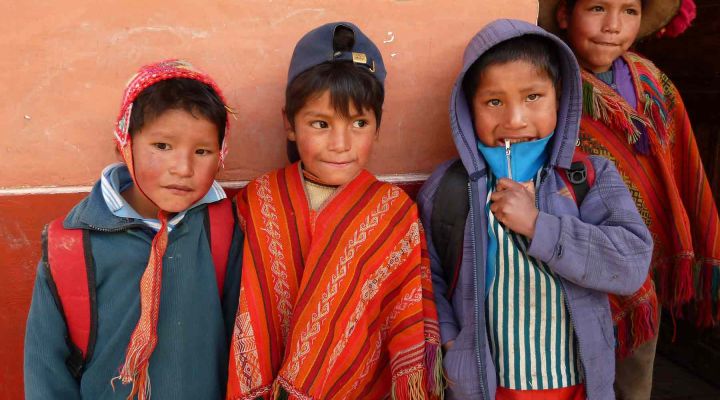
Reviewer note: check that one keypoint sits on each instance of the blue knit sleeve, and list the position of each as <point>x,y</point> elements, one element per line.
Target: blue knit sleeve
<point>46,376</point>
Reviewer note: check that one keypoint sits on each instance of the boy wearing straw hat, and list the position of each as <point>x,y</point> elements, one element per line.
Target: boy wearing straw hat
<point>634,115</point>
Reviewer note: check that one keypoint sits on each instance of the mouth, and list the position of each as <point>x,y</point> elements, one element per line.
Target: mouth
<point>338,164</point>
<point>179,189</point>
<point>501,141</point>
<point>606,44</point>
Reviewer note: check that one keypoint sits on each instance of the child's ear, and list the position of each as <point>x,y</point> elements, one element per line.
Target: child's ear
<point>561,15</point>
<point>288,126</point>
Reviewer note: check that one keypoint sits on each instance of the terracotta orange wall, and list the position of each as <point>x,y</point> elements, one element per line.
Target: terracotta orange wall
<point>64,66</point>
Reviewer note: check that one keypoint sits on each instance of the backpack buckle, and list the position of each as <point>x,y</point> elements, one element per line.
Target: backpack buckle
<point>577,174</point>
<point>577,177</point>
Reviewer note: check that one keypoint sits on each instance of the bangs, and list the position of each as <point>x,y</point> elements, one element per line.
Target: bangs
<point>347,84</point>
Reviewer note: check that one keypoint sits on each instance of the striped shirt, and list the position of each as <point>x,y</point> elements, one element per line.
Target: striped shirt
<point>532,338</point>
<point>116,178</point>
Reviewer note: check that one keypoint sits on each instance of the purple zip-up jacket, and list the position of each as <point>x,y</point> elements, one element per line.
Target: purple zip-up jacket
<point>602,247</point>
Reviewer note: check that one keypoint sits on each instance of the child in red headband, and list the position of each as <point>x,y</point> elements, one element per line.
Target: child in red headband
<point>155,235</point>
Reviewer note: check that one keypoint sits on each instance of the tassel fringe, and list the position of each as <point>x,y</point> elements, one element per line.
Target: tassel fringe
<point>409,386</point>
<point>693,288</point>
<point>600,106</point>
<point>434,373</point>
<point>640,327</point>
<point>422,382</point>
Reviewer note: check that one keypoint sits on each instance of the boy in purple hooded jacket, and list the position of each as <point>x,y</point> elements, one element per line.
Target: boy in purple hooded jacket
<point>529,312</point>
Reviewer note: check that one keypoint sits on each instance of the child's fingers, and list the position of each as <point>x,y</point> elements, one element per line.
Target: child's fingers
<point>529,186</point>
<point>496,196</point>
<point>505,184</point>
<point>496,210</point>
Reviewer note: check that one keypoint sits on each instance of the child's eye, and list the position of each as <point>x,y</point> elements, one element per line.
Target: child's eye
<point>533,97</point>
<point>494,103</point>
<point>203,152</point>
<point>361,123</point>
<point>319,124</point>
<point>632,11</point>
<point>597,9</point>
<point>161,146</point>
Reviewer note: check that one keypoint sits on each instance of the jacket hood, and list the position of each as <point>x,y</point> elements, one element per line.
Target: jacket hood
<point>562,146</point>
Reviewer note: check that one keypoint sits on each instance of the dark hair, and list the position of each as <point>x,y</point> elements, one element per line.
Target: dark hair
<point>347,83</point>
<point>195,97</point>
<point>536,50</point>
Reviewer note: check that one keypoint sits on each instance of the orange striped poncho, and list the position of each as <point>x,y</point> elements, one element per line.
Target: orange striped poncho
<point>335,303</point>
<point>672,194</point>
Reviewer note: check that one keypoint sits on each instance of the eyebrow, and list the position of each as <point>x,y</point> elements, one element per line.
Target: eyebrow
<point>491,92</point>
<point>315,114</point>
<point>166,136</point>
<point>627,3</point>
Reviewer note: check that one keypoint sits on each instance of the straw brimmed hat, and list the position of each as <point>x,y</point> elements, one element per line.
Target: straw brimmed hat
<point>655,15</point>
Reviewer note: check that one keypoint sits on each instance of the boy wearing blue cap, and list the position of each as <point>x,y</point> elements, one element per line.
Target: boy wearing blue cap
<point>335,299</point>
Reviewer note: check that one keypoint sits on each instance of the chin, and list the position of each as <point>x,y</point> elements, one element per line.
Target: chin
<point>176,208</point>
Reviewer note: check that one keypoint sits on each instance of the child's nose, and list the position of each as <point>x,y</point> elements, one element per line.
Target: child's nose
<point>182,165</point>
<point>515,117</point>
<point>612,23</point>
<point>340,139</point>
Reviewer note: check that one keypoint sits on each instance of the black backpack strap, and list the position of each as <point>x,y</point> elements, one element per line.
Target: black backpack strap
<point>580,177</point>
<point>451,206</point>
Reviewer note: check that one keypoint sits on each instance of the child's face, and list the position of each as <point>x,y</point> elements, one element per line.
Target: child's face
<point>516,101</point>
<point>176,157</point>
<point>332,148</point>
<point>599,31</point>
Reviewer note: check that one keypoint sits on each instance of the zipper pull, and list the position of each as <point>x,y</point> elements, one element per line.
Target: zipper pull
<point>507,157</point>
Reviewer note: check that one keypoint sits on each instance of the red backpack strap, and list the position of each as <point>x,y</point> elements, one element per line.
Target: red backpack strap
<point>221,221</point>
<point>72,273</point>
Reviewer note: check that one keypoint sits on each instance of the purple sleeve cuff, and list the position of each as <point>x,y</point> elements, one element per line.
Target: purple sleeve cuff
<point>544,244</point>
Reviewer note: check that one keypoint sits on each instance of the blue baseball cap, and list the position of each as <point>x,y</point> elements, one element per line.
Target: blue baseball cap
<point>316,48</point>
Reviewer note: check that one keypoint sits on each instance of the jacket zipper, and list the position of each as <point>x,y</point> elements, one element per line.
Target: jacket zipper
<point>508,157</point>
<point>543,174</point>
<point>572,321</point>
<point>478,292</point>
<point>108,230</point>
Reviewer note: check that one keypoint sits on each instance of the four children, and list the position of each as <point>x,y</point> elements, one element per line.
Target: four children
<point>335,298</point>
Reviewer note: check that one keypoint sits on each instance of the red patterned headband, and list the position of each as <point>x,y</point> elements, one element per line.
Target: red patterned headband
<point>148,76</point>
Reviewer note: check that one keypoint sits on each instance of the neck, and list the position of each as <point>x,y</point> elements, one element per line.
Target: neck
<point>139,202</point>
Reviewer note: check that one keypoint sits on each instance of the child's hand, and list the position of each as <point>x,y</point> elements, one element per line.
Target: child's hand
<point>513,204</point>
